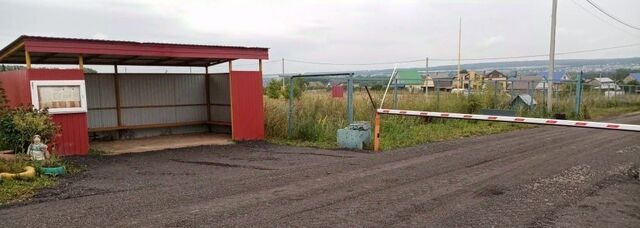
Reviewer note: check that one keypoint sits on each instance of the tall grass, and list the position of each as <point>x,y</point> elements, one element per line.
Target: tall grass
<point>317,116</point>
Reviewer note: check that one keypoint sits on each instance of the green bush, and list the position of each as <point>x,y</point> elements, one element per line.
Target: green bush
<point>298,88</point>
<point>274,89</point>
<point>472,104</point>
<point>19,125</point>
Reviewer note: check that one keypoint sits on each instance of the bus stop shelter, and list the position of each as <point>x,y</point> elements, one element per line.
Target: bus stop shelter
<point>134,105</point>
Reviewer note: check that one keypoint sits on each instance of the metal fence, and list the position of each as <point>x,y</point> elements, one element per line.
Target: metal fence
<point>573,98</point>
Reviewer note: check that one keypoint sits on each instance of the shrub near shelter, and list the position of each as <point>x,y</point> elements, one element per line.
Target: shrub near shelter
<point>19,125</point>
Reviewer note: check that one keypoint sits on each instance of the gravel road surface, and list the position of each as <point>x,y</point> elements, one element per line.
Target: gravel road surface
<point>540,177</point>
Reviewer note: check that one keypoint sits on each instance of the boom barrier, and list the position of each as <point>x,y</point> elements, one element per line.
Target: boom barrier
<point>512,119</point>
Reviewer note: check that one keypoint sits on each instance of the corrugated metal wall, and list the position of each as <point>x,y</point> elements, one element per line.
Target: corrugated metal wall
<point>101,100</point>
<point>156,99</point>
<point>219,97</point>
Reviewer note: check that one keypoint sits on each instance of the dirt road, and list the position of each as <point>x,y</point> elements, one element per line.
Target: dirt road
<point>547,176</point>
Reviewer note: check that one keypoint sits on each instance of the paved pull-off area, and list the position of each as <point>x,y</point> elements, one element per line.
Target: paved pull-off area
<point>547,176</point>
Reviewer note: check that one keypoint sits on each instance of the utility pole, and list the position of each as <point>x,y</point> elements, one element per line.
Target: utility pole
<point>459,44</point>
<point>426,74</point>
<point>283,84</point>
<point>552,53</point>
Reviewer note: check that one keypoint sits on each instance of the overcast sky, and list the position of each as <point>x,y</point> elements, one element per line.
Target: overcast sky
<point>338,31</point>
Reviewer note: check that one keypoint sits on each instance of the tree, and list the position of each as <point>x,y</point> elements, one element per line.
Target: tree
<point>274,89</point>
<point>620,74</point>
<point>10,67</point>
<point>298,88</point>
<point>90,71</point>
<point>631,87</point>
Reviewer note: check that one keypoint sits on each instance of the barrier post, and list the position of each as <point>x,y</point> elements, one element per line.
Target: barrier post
<point>578,95</point>
<point>376,133</point>
<point>290,117</point>
<point>437,84</point>
<point>395,93</point>
<point>350,100</point>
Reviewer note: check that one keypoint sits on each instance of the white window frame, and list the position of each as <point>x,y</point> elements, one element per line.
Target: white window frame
<point>35,97</point>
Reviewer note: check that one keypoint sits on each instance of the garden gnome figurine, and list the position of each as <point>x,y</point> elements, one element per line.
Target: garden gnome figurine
<point>37,150</point>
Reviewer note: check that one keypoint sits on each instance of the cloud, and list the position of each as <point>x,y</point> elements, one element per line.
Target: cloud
<point>352,31</point>
<point>100,36</point>
<point>494,40</point>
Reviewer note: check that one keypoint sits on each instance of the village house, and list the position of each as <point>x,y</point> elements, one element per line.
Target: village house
<point>497,78</point>
<point>524,84</point>
<point>409,79</point>
<point>471,80</point>
<point>632,77</point>
<point>557,79</point>
<point>603,84</point>
<point>442,81</point>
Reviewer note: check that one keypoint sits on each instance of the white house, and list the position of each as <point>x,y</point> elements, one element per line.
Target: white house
<point>603,84</point>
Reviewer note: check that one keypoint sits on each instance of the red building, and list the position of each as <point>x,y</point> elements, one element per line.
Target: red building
<point>130,105</point>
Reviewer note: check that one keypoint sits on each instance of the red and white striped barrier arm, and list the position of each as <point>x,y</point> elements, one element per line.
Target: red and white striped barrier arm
<point>567,123</point>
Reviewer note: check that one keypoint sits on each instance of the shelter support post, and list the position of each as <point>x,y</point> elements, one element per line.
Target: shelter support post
<point>116,86</point>
<point>231,94</point>
<point>27,58</point>
<point>81,62</point>
<point>207,92</point>
<point>376,133</point>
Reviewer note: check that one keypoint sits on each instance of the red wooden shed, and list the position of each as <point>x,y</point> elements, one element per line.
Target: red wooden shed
<point>130,105</point>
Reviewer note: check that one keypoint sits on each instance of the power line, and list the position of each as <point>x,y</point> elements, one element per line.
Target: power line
<point>611,16</point>
<point>353,64</point>
<point>603,20</point>
<point>263,63</point>
<point>467,59</point>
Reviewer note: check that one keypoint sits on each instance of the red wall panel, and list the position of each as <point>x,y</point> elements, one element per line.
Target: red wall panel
<point>247,111</point>
<point>16,87</point>
<point>337,91</point>
<point>56,74</point>
<point>74,136</point>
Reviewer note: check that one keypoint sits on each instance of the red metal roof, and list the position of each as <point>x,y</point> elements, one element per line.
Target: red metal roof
<point>52,50</point>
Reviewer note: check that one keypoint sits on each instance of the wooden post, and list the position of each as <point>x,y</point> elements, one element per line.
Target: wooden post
<point>376,133</point>
<point>208,94</point>
<point>81,62</point>
<point>231,97</point>
<point>116,85</point>
<point>260,65</point>
<point>27,58</point>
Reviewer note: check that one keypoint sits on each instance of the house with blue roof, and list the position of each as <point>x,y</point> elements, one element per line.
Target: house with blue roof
<point>558,76</point>
<point>632,77</point>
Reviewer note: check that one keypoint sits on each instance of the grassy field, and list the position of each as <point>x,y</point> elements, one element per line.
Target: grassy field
<point>317,116</point>
<point>17,190</point>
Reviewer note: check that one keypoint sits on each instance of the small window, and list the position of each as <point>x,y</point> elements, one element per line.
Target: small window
<point>59,96</point>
